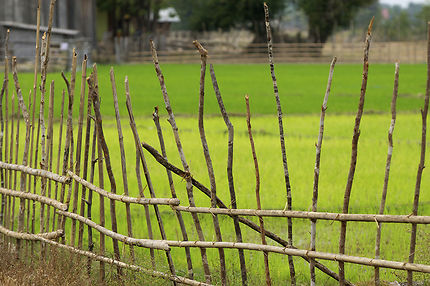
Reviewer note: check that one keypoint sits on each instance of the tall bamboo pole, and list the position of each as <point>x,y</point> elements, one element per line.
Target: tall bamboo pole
<point>123,159</point>
<point>257,192</point>
<point>387,168</point>
<point>211,174</point>
<point>233,201</point>
<point>317,169</point>
<point>101,138</point>
<point>25,153</point>
<point>6,109</point>
<point>78,148</point>
<point>189,185</point>
<point>355,138</point>
<point>60,139</point>
<point>424,112</point>
<point>281,137</point>
<point>50,147</point>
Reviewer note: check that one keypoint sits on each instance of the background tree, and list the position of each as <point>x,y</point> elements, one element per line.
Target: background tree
<point>207,15</point>
<point>325,16</point>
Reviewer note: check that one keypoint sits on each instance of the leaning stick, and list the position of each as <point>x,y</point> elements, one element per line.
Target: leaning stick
<point>387,169</point>
<point>103,145</point>
<point>355,137</point>
<point>424,112</point>
<point>146,173</point>
<point>233,201</point>
<point>317,169</point>
<point>25,153</point>
<point>281,136</point>
<point>189,185</point>
<point>123,160</point>
<point>203,56</point>
<point>160,159</point>
<point>78,149</point>
<point>60,139</point>
<point>50,147</point>
<point>257,192</point>
<point>156,119</point>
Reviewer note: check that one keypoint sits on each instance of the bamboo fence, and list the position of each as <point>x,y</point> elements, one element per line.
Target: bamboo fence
<point>67,209</point>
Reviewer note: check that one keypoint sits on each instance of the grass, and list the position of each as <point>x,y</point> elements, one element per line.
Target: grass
<point>302,88</point>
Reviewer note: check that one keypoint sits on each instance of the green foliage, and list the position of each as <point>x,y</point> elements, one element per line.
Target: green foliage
<point>325,16</point>
<point>204,15</point>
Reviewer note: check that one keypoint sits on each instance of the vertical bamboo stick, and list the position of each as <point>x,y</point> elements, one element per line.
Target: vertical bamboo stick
<point>43,158</point>
<point>424,112</point>
<point>317,169</point>
<point>233,201</point>
<point>100,160</point>
<point>5,93</point>
<point>189,185</point>
<point>6,120</point>
<point>123,160</point>
<point>2,175</point>
<point>78,150</point>
<point>50,147</point>
<point>67,144</point>
<point>147,175</point>
<point>90,195</point>
<point>355,138</point>
<point>387,169</point>
<point>60,139</point>
<point>257,192</point>
<point>203,56</point>
<point>101,139</point>
<point>281,137</point>
<point>85,171</point>
<point>156,119</point>
<point>25,153</point>
<point>11,173</point>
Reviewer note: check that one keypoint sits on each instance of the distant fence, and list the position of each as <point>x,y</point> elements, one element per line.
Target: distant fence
<point>60,204</point>
<point>382,52</point>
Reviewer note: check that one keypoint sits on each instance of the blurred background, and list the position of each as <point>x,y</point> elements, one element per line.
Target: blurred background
<point>118,31</point>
